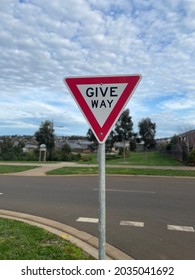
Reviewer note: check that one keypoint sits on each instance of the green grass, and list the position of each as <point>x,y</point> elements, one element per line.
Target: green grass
<point>147,158</point>
<point>121,171</point>
<point>14,168</point>
<point>73,171</point>
<point>136,158</point>
<point>28,161</point>
<point>21,241</point>
<point>149,171</point>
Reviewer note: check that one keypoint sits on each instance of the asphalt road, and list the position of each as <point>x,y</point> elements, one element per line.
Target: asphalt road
<point>147,217</point>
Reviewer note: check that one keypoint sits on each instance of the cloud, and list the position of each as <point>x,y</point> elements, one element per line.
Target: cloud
<point>43,41</point>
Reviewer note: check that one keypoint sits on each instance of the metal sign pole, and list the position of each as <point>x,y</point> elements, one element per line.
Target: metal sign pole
<point>113,93</point>
<point>102,203</point>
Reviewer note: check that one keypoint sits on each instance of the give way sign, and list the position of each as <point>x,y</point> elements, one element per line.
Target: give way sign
<point>101,99</point>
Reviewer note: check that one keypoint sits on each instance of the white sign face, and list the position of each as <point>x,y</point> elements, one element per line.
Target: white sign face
<point>102,98</point>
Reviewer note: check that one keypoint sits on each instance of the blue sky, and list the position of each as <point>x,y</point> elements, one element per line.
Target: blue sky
<point>41,42</point>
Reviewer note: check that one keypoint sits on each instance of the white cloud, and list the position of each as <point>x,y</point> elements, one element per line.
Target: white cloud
<point>43,41</point>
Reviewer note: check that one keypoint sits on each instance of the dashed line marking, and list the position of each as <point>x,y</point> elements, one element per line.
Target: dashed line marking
<point>137,224</point>
<point>1,193</point>
<point>132,223</point>
<point>180,228</point>
<point>87,220</point>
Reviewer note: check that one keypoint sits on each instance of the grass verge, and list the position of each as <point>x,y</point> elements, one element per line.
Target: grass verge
<point>73,171</point>
<point>14,168</point>
<point>135,158</point>
<point>21,241</point>
<point>122,171</point>
<point>150,171</point>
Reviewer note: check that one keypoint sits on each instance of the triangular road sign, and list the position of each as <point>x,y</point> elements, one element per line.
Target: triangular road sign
<point>102,99</point>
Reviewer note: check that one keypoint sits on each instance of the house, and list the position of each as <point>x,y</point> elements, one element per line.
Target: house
<point>79,145</point>
<point>188,138</point>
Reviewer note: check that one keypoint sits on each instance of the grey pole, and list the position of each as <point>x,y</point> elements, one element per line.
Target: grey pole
<point>102,203</point>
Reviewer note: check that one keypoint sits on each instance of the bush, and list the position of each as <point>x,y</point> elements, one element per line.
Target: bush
<point>121,151</point>
<point>84,158</point>
<point>112,156</point>
<point>66,148</point>
<point>32,155</point>
<point>76,157</point>
<point>191,158</point>
<point>64,154</point>
<point>56,155</point>
<point>169,147</point>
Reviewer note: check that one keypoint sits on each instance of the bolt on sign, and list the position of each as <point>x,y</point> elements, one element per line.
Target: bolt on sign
<point>101,99</point>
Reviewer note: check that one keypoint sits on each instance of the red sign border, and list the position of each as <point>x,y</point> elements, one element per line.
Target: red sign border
<point>101,133</point>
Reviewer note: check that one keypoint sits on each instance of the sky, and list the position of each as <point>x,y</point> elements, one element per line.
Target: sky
<point>42,41</point>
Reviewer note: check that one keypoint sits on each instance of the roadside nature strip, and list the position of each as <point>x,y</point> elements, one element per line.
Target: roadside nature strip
<point>14,168</point>
<point>21,241</point>
<point>135,163</point>
<point>121,171</point>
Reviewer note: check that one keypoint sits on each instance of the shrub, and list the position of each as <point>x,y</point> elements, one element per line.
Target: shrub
<point>32,155</point>
<point>121,151</point>
<point>76,157</point>
<point>111,156</point>
<point>191,158</point>
<point>84,158</point>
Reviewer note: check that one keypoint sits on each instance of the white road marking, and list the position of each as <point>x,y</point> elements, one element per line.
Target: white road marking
<point>180,228</point>
<point>117,190</point>
<point>136,224</point>
<point>87,220</point>
<point>132,223</point>
<point>1,193</point>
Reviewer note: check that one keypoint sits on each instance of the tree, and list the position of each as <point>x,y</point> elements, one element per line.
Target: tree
<point>7,149</point>
<point>174,140</point>
<point>121,133</point>
<point>11,150</point>
<point>45,135</point>
<point>91,137</point>
<point>124,127</point>
<point>173,143</point>
<point>66,149</point>
<point>66,152</point>
<point>133,142</point>
<point>147,130</point>
<point>109,142</point>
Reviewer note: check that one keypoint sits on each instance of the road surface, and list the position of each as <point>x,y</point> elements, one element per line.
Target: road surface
<point>147,217</point>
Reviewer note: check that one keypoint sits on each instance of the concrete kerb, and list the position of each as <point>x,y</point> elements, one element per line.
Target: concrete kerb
<point>85,241</point>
